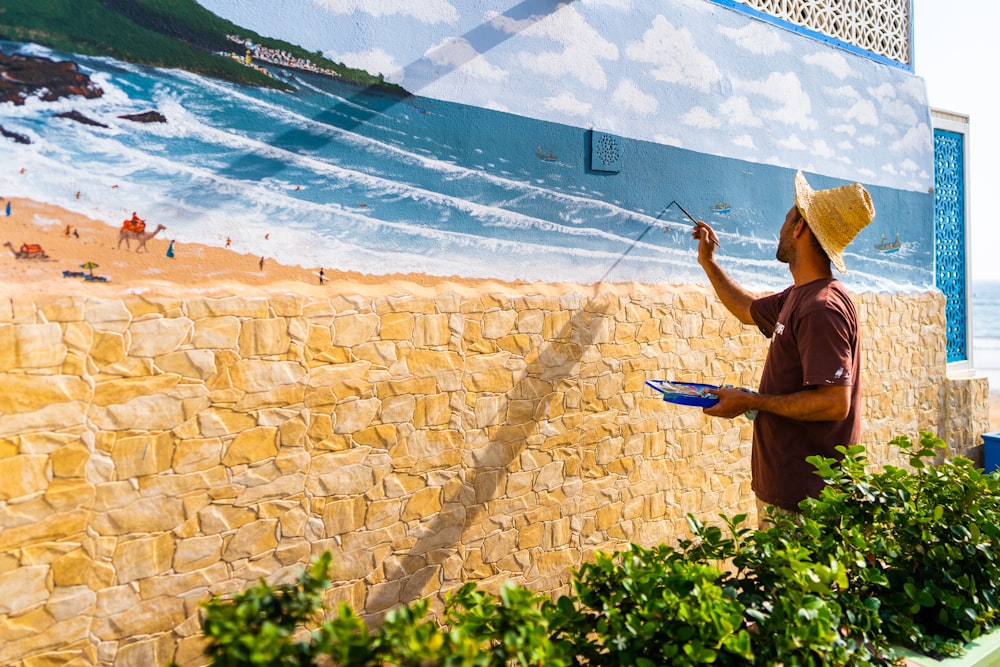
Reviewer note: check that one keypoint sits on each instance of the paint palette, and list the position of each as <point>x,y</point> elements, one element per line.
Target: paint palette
<point>685,393</point>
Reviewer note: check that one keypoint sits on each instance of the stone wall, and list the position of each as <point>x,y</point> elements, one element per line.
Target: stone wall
<point>155,450</point>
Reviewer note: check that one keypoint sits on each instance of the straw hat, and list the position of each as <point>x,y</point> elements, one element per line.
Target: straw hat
<point>835,216</point>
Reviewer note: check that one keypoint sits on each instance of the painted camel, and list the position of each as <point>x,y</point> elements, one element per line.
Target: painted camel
<point>27,251</point>
<point>141,237</point>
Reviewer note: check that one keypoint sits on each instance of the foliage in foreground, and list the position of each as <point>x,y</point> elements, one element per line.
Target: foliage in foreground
<point>898,557</point>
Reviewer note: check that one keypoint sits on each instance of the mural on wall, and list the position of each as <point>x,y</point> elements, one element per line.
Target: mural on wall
<point>532,140</point>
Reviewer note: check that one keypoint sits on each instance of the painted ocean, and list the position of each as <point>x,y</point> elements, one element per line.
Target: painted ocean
<point>336,177</point>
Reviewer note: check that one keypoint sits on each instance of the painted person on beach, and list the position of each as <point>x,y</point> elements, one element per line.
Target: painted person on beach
<point>809,399</point>
<point>170,249</point>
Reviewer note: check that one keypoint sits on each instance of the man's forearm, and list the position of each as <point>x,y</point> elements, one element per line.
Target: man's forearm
<point>820,403</point>
<point>736,299</point>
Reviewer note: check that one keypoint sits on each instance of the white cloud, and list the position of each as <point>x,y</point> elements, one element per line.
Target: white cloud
<point>868,140</point>
<point>792,143</point>
<point>785,90</point>
<point>845,145</point>
<point>832,62</point>
<point>701,118</point>
<point>737,111</point>
<point>581,47</point>
<point>667,140</point>
<point>568,104</point>
<point>674,56</point>
<point>744,141</point>
<point>374,62</point>
<point>458,53</point>
<point>629,96</point>
<point>849,130</point>
<point>756,38</point>
<point>909,165</point>
<point>862,111</point>
<point>821,149</point>
<point>915,89</point>
<point>425,11</point>
<point>916,140</point>
<point>496,106</point>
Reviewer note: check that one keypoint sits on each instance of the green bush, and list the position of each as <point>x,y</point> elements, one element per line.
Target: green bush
<point>897,557</point>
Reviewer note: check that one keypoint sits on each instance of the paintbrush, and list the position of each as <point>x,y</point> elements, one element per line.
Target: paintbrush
<point>690,217</point>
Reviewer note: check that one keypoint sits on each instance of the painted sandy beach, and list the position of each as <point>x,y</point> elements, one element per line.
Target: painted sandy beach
<point>195,269</point>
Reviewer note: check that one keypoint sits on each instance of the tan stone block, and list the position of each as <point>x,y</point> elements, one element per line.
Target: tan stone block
<point>8,347</point>
<point>142,455</point>
<point>23,588</point>
<point>76,568</point>
<point>196,553</point>
<point>66,603</point>
<point>407,303</point>
<point>145,515</point>
<point>499,545</point>
<point>431,330</point>
<point>141,619</point>
<point>28,393</point>
<point>251,446</point>
<point>37,635</point>
<point>398,409</point>
<point>78,337</point>
<point>286,486</point>
<point>142,558</point>
<point>353,416</point>
<point>346,480</point>
<point>237,306</point>
<point>196,364</point>
<point>39,345</point>
<point>497,380</point>
<point>397,326</point>
<point>382,513</point>
<point>262,376</point>
<point>292,433</point>
<point>158,650</point>
<point>428,363</point>
<point>380,436</point>
<point>264,337</point>
<point>251,540</point>
<point>215,422</point>
<point>281,397</point>
<point>432,411</point>
<point>70,460</point>
<point>23,475</point>
<point>422,504</point>
<point>195,454</point>
<point>159,336</point>
<point>381,353</point>
<point>354,329</point>
<point>344,516</point>
<point>216,519</point>
<point>66,494</point>
<point>216,332</point>
<point>114,392</point>
<point>407,387</point>
<point>518,344</point>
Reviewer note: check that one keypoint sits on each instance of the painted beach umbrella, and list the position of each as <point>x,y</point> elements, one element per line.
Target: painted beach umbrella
<point>90,266</point>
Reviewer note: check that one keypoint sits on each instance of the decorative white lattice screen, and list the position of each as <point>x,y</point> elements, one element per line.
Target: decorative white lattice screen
<point>879,26</point>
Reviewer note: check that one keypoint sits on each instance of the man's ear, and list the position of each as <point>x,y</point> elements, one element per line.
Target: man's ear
<point>801,226</point>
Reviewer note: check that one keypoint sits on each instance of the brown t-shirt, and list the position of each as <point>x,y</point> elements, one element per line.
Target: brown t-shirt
<point>814,341</point>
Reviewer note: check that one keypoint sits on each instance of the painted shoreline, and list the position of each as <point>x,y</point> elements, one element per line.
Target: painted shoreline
<point>196,269</point>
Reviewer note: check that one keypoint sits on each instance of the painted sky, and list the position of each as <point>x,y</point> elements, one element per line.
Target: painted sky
<point>685,73</point>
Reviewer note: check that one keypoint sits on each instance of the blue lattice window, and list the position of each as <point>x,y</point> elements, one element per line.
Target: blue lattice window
<point>949,237</point>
